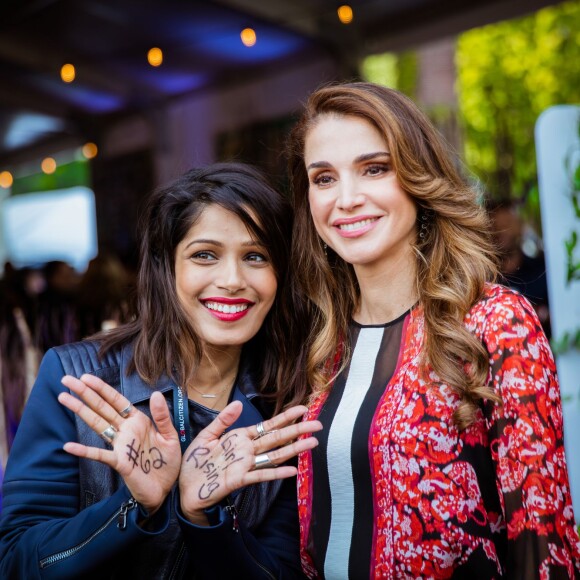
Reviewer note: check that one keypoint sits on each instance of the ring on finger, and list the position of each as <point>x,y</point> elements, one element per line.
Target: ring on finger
<point>109,434</point>
<point>260,430</point>
<point>125,412</point>
<point>262,461</point>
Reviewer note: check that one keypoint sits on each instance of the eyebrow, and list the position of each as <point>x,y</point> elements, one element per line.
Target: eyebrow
<point>360,159</point>
<point>207,241</point>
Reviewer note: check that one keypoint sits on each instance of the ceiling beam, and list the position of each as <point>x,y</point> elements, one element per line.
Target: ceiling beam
<point>18,96</point>
<point>36,56</point>
<point>297,16</point>
<point>443,19</point>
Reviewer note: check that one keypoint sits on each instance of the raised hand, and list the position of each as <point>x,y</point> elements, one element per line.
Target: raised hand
<point>145,453</point>
<point>217,463</point>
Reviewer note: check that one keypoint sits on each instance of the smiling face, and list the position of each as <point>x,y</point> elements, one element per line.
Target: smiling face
<point>356,202</point>
<point>224,279</point>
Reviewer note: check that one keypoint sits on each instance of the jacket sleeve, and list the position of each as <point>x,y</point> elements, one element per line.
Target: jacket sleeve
<point>526,439</point>
<point>42,532</point>
<point>270,551</point>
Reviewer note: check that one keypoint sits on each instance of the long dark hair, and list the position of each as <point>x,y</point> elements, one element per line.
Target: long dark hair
<point>164,340</point>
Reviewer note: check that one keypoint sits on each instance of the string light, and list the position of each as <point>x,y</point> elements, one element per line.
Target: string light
<point>155,56</point>
<point>248,36</point>
<point>90,150</point>
<point>48,165</point>
<point>6,179</point>
<point>345,14</point>
<point>68,73</point>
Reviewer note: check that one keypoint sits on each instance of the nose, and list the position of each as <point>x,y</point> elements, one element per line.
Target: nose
<point>231,276</point>
<point>349,195</point>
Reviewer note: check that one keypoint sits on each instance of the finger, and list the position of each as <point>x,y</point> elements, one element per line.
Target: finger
<point>227,417</point>
<point>161,416</point>
<point>283,454</point>
<point>92,399</point>
<point>281,420</point>
<point>283,436</point>
<point>109,394</point>
<point>271,474</point>
<point>94,421</point>
<point>103,455</point>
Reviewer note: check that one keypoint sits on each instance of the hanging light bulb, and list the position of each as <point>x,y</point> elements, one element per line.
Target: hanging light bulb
<point>68,73</point>
<point>90,150</point>
<point>6,179</point>
<point>155,56</point>
<point>48,165</point>
<point>345,14</point>
<point>248,36</point>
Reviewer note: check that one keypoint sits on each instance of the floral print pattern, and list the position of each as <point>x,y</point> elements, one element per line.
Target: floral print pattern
<point>491,501</point>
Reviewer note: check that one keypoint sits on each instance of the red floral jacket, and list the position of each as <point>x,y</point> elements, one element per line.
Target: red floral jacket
<point>495,494</point>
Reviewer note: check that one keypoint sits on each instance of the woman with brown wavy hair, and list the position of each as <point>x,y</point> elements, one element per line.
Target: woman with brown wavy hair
<point>442,451</point>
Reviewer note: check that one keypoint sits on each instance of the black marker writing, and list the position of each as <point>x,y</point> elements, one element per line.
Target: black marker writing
<point>133,454</point>
<point>158,461</point>
<point>209,469</point>
<point>145,461</point>
<point>197,454</point>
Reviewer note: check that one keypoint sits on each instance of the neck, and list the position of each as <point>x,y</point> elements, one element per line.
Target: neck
<point>217,371</point>
<point>387,291</point>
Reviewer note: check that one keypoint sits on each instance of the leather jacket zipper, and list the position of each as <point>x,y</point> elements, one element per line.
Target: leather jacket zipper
<point>121,514</point>
<point>244,503</point>
<point>177,565</point>
<point>231,509</point>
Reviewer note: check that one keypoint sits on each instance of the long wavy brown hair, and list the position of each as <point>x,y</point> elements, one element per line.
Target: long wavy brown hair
<point>453,261</point>
<point>163,337</point>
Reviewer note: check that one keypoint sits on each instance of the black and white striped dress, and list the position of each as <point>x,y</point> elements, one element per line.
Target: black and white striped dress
<point>342,524</point>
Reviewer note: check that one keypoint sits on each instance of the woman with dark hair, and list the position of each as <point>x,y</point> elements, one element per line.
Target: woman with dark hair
<point>156,460</point>
<point>442,451</point>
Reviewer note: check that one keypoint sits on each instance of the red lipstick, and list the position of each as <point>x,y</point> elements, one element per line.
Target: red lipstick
<point>224,309</point>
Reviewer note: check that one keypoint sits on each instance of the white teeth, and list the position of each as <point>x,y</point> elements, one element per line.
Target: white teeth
<point>356,225</point>
<point>226,308</point>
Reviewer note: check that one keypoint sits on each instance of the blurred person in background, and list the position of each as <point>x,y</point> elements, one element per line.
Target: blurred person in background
<point>103,295</point>
<point>57,320</point>
<point>524,271</point>
<point>25,285</point>
<point>156,459</point>
<point>18,359</point>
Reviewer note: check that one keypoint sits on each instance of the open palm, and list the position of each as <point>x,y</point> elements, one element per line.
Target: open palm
<point>219,461</point>
<point>145,453</point>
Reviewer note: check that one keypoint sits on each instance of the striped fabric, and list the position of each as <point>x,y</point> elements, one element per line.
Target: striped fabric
<point>342,492</point>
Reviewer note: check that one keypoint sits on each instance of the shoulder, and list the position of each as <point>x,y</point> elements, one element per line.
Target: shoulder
<point>508,326</point>
<point>82,357</point>
<point>501,307</point>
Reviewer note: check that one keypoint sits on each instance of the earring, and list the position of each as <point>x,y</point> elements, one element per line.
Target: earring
<point>325,248</point>
<point>425,217</point>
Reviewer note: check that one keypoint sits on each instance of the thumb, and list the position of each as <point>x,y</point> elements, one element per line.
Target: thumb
<point>227,417</point>
<point>161,416</point>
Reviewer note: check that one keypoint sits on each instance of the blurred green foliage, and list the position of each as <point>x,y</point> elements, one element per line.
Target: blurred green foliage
<point>507,74</point>
<point>65,176</point>
<point>572,165</point>
<point>398,71</point>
